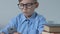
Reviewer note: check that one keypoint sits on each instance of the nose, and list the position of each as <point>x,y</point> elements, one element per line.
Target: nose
<point>25,7</point>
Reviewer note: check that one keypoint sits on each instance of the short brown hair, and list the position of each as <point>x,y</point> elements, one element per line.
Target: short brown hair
<point>21,0</point>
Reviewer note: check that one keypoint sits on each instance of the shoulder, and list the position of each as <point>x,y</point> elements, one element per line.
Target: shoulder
<point>16,18</point>
<point>40,17</point>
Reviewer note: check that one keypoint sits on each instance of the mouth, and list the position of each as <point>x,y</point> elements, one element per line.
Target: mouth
<point>26,13</point>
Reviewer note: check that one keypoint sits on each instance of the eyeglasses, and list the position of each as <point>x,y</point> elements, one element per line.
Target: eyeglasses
<point>28,5</point>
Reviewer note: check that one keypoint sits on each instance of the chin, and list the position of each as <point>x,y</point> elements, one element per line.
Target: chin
<point>27,14</point>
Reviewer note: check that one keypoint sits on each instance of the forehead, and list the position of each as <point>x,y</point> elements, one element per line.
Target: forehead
<point>27,1</point>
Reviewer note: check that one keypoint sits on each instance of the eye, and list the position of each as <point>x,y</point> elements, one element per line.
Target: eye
<point>29,4</point>
<point>21,4</point>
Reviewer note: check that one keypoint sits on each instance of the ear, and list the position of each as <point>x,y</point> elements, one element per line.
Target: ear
<point>37,4</point>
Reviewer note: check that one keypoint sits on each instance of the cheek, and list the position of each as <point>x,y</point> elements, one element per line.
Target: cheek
<point>31,9</point>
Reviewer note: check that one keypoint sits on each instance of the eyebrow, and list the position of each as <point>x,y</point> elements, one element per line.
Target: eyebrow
<point>26,3</point>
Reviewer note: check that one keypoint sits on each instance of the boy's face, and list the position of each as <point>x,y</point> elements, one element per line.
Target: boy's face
<point>28,6</point>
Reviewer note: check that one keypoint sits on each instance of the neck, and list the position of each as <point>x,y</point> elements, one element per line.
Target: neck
<point>28,16</point>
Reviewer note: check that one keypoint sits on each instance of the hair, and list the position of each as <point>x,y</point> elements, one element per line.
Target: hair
<point>33,0</point>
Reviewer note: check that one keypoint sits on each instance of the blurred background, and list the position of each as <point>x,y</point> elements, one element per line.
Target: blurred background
<point>50,9</point>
